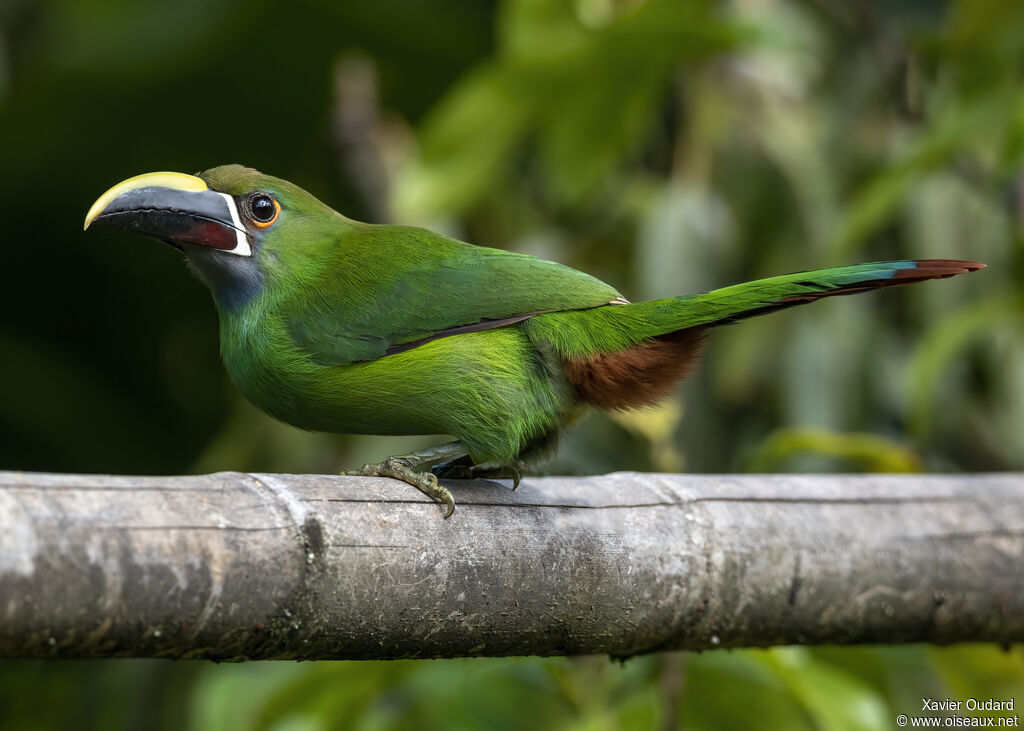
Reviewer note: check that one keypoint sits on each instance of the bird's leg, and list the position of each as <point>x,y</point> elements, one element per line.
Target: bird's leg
<point>411,468</point>
<point>455,469</point>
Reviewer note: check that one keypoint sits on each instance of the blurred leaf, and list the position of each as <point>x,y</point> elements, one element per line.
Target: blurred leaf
<point>741,690</point>
<point>981,671</point>
<point>946,341</point>
<point>331,695</point>
<point>466,143</point>
<point>984,38</point>
<point>833,698</point>
<point>218,705</point>
<point>541,31</point>
<point>960,128</point>
<point>597,125</point>
<point>537,84</point>
<point>658,424</point>
<point>870,453</point>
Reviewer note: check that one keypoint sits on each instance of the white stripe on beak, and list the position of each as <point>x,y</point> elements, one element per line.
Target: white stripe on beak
<point>242,248</point>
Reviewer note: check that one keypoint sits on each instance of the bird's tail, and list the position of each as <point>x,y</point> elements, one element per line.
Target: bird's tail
<point>729,304</point>
<point>623,356</point>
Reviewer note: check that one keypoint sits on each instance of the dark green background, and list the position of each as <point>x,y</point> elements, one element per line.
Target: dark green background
<point>663,145</point>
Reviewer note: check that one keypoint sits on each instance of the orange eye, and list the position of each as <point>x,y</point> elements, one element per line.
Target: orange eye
<point>264,209</point>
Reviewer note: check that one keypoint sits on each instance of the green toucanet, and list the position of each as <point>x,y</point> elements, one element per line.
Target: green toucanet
<point>334,325</point>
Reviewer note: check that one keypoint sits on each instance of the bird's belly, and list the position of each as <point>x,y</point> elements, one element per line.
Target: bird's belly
<point>489,388</point>
<point>348,399</point>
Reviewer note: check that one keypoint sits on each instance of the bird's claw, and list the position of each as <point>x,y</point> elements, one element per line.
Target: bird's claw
<point>400,469</point>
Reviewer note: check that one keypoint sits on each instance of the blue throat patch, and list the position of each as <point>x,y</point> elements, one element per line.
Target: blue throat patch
<point>233,280</point>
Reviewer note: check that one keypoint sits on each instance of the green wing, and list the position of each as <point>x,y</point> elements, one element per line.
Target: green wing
<point>388,288</point>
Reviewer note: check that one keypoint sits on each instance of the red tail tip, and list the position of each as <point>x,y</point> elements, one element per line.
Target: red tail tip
<point>968,266</point>
<point>936,269</point>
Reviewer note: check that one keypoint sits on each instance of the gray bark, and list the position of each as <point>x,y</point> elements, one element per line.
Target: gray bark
<point>237,566</point>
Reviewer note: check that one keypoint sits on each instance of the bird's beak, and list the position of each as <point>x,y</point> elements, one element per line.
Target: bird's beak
<point>176,208</point>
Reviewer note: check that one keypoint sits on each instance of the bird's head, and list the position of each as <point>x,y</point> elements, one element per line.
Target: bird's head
<point>236,225</point>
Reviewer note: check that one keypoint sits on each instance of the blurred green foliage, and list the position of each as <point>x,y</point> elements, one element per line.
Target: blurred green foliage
<point>663,145</point>
<point>792,688</point>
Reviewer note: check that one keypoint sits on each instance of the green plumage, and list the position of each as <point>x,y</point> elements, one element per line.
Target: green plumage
<point>425,283</point>
<point>341,326</point>
<point>310,347</point>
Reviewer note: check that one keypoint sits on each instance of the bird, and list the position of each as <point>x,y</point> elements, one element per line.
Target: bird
<point>334,325</point>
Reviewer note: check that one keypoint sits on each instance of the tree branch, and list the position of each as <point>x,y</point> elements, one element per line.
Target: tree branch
<point>237,566</point>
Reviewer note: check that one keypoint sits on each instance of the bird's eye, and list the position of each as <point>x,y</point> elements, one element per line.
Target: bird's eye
<point>263,209</point>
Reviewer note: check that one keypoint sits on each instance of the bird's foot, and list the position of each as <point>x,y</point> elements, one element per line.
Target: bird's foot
<point>499,472</point>
<point>401,468</point>
<point>461,470</point>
